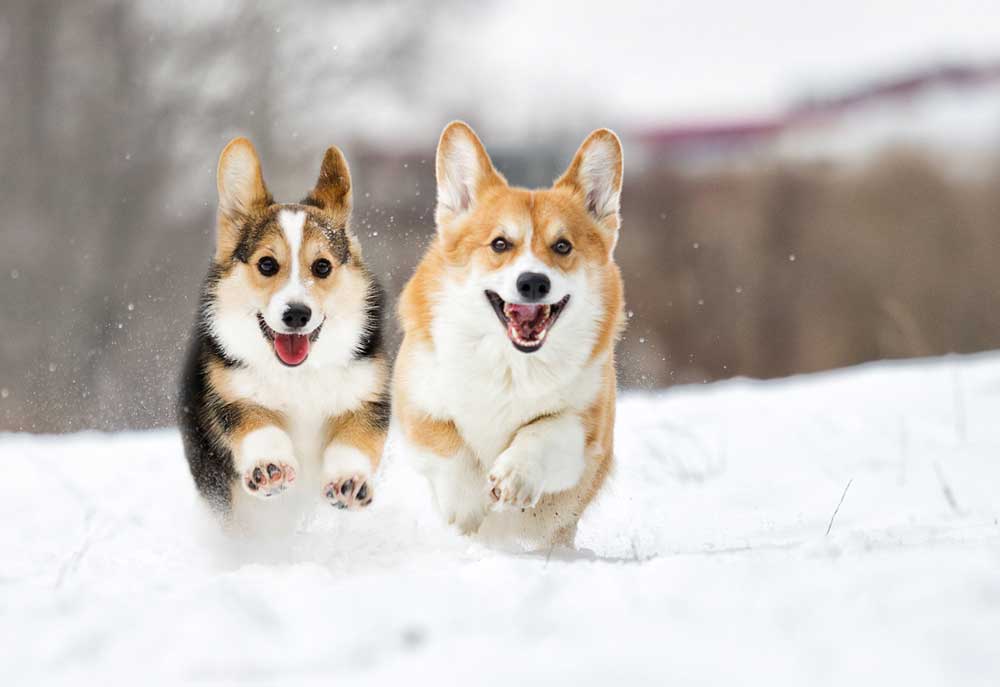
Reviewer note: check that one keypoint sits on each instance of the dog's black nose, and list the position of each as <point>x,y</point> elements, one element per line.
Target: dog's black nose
<point>533,286</point>
<point>296,316</point>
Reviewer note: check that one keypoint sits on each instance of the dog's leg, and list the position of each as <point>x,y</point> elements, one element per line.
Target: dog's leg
<point>354,444</point>
<point>545,457</point>
<point>456,482</point>
<point>455,476</point>
<point>265,461</point>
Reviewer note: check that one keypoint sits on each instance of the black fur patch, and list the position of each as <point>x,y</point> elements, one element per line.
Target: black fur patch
<point>381,411</point>
<point>312,201</point>
<point>229,415</point>
<point>336,237</point>
<point>202,416</point>
<point>253,230</point>
<point>370,343</point>
<point>210,462</point>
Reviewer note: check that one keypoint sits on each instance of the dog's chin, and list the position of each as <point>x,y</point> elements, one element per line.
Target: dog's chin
<point>527,326</point>
<point>291,350</point>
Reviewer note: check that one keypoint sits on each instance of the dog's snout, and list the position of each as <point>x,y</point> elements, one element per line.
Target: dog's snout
<point>296,316</point>
<point>533,286</point>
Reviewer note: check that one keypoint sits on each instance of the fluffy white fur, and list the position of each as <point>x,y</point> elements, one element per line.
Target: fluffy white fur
<point>545,456</point>
<point>341,461</point>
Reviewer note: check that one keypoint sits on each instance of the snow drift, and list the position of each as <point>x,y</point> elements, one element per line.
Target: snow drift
<point>706,560</point>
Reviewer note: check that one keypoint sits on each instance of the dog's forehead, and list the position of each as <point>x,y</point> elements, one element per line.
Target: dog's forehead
<point>258,230</point>
<point>292,227</point>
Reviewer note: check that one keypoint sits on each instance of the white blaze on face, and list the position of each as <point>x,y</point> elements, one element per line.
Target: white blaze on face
<point>292,225</point>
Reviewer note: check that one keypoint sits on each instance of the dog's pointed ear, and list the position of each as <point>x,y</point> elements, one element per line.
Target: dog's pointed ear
<point>596,176</point>
<point>464,172</point>
<point>332,192</point>
<point>240,182</point>
<point>241,192</point>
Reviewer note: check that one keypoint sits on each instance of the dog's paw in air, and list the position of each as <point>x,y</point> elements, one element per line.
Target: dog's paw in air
<point>267,478</point>
<point>349,492</point>
<point>514,483</point>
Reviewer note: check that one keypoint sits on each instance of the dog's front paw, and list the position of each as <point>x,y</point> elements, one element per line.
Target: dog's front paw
<point>515,481</point>
<point>266,478</point>
<point>351,491</point>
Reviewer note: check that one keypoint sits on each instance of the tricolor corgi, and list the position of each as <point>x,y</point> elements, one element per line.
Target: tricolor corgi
<point>285,385</point>
<point>504,387</point>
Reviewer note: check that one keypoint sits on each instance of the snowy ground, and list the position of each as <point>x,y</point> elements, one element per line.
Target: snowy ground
<point>705,562</point>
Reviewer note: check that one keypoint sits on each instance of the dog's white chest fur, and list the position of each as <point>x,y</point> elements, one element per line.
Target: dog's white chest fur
<point>488,399</point>
<point>308,396</point>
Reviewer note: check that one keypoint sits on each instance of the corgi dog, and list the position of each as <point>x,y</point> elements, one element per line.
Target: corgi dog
<point>285,386</point>
<point>504,387</point>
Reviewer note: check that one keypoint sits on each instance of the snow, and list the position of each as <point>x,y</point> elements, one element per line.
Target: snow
<point>704,562</point>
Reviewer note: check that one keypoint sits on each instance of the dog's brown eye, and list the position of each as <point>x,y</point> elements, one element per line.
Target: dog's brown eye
<point>499,245</point>
<point>562,246</point>
<point>321,268</point>
<point>267,266</point>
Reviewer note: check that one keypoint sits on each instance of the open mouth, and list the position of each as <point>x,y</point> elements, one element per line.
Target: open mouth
<point>526,325</point>
<point>291,349</point>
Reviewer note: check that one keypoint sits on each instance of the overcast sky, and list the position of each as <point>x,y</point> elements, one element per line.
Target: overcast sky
<point>655,62</point>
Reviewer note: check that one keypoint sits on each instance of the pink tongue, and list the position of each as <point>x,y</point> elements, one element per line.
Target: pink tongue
<point>291,348</point>
<point>524,317</point>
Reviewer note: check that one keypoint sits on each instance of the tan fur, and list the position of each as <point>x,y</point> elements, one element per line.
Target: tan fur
<point>254,417</point>
<point>360,430</point>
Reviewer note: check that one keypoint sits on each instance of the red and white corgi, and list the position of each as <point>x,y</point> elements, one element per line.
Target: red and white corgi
<point>504,387</point>
<point>285,386</point>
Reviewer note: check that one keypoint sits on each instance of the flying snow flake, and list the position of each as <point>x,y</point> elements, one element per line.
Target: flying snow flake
<point>739,289</point>
<point>52,367</point>
<point>131,307</point>
<point>642,339</point>
<point>695,245</point>
<point>4,392</point>
<point>791,257</point>
<point>14,274</point>
<point>631,314</point>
